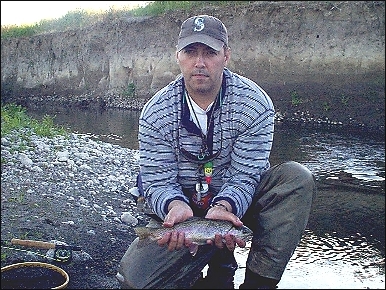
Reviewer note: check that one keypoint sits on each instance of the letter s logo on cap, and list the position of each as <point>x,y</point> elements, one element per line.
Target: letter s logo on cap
<point>198,24</point>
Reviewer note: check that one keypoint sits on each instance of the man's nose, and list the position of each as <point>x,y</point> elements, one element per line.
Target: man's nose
<point>200,60</point>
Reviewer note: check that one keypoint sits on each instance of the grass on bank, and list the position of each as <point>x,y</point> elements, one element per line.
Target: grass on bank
<point>14,117</point>
<point>82,18</point>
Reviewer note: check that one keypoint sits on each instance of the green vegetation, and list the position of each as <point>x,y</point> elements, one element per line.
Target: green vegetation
<point>344,99</point>
<point>81,18</point>
<point>326,106</point>
<point>130,90</point>
<point>3,256</point>
<point>72,20</point>
<point>14,117</point>
<point>159,7</point>
<point>18,198</point>
<point>295,98</point>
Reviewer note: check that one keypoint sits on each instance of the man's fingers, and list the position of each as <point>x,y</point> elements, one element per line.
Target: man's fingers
<point>218,241</point>
<point>164,240</point>
<point>230,242</point>
<point>180,241</point>
<point>241,243</point>
<point>173,241</point>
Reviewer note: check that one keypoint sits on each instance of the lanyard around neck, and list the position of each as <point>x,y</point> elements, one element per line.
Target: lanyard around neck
<point>198,115</point>
<point>205,134</point>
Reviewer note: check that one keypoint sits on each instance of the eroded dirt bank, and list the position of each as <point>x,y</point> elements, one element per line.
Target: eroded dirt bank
<point>319,61</point>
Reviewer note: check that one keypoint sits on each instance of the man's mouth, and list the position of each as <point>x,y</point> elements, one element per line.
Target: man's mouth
<point>200,74</point>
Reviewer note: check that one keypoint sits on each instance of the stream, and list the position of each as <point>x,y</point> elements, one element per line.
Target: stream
<point>344,243</point>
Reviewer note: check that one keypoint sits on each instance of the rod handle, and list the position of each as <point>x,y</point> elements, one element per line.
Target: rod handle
<point>35,244</point>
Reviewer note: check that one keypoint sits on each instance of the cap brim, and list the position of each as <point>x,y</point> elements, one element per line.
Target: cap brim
<point>201,38</point>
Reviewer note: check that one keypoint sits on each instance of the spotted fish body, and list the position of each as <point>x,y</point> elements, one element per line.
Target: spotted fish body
<point>198,230</point>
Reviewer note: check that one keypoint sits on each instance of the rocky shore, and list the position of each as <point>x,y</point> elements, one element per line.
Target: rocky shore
<point>71,190</point>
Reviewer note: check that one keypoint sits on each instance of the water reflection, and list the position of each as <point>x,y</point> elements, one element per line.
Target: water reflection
<point>328,155</point>
<point>328,262</point>
<point>118,127</point>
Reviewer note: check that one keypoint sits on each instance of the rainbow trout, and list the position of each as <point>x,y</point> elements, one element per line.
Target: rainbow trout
<point>197,229</point>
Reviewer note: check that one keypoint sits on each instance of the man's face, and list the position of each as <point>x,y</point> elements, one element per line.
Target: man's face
<point>202,67</point>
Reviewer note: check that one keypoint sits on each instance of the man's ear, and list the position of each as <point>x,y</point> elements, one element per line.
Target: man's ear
<point>227,54</point>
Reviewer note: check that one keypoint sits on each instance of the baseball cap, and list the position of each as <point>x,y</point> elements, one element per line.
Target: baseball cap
<point>204,29</point>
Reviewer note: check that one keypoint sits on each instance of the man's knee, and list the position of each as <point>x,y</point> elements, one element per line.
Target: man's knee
<point>297,168</point>
<point>295,171</point>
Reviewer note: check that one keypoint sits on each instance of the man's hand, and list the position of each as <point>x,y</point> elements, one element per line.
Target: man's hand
<point>225,213</point>
<point>179,211</point>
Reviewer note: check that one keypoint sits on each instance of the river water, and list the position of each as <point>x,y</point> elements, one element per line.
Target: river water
<point>344,244</point>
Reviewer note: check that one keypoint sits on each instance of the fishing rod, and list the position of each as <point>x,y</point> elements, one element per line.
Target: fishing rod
<point>62,253</point>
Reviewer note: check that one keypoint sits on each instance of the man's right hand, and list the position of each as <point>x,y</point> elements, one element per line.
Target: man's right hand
<point>178,212</point>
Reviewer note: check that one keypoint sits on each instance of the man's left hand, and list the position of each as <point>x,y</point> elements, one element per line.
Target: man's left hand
<point>221,213</point>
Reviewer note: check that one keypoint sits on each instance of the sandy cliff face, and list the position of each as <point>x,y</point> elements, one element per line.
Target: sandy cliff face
<point>308,55</point>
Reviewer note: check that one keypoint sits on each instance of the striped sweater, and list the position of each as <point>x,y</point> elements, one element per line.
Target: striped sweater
<point>242,134</point>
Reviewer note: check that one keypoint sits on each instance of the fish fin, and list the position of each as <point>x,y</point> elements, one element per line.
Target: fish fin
<point>193,248</point>
<point>142,232</point>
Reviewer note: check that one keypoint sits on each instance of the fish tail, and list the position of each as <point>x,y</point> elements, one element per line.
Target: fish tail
<point>193,248</point>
